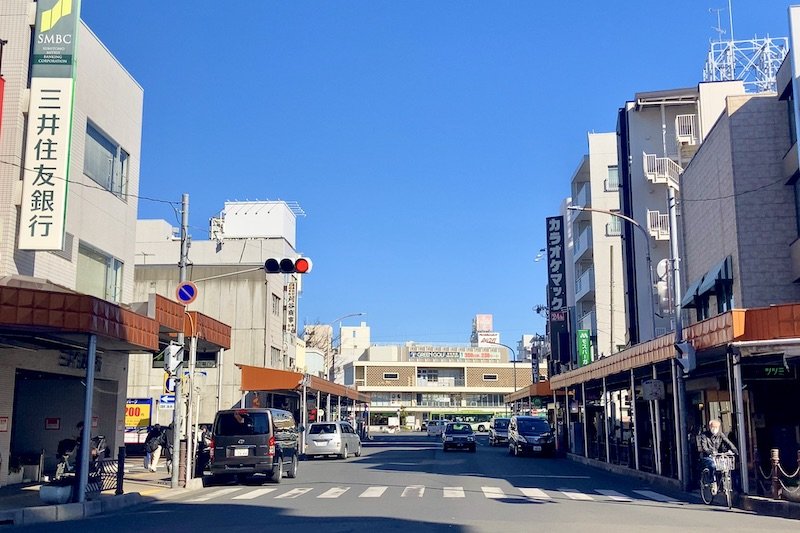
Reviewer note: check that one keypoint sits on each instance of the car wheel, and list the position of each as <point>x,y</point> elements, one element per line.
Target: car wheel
<point>344,454</point>
<point>292,473</point>
<point>277,471</point>
<point>358,451</point>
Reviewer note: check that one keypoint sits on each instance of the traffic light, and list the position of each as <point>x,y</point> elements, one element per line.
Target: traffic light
<point>301,265</point>
<point>687,356</point>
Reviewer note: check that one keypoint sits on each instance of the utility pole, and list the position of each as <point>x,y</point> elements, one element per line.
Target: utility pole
<point>176,415</point>
<point>680,393</point>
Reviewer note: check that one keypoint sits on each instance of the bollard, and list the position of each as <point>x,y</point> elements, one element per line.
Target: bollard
<point>776,480</point>
<point>120,470</point>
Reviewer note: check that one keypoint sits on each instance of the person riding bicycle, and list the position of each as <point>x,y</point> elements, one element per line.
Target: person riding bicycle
<point>714,441</point>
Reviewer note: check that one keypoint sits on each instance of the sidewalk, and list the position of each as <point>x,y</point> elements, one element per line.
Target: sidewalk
<point>20,504</point>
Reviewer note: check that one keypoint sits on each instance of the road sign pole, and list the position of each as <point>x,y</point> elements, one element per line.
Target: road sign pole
<point>176,414</point>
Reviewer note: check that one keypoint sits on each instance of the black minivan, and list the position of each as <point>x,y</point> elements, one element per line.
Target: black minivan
<point>529,434</point>
<point>254,441</point>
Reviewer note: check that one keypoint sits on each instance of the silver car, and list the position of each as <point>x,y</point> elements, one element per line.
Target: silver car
<point>332,438</point>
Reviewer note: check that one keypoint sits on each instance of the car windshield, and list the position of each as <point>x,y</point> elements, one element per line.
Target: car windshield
<point>459,428</point>
<point>501,423</point>
<point>320,429</point>
<point>533,426</point>
<point>241,423</point>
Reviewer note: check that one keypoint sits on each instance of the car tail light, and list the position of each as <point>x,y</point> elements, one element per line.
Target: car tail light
<point>211,450</point>
<point>271,443</point>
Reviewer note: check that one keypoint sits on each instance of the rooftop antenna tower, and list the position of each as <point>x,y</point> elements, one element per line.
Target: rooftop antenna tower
<point>754,61</point>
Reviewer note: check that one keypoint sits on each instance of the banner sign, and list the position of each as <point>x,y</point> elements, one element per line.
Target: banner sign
<point>137,412</point>
<point>584,347</point>
<point>44,189</point>
<point>557,290</point>
<point>488,338</point>
<point>291,307</point>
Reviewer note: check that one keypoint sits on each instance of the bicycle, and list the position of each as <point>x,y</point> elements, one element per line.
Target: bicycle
<point>724,463</point>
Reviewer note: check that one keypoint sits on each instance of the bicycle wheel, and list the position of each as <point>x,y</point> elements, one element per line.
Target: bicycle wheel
<point>706,479</point>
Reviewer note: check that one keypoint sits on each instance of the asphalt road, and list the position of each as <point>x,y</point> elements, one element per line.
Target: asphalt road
<point>407,483</point>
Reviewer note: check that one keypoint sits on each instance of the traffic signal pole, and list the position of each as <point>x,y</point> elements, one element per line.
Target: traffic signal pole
<point>176,414</point>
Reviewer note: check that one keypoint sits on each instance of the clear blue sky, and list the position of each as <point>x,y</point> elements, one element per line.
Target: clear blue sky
<point>426,140</point>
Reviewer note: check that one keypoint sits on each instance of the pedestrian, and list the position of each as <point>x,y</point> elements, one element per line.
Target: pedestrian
<point>152,447</point>
<point>256,401</point>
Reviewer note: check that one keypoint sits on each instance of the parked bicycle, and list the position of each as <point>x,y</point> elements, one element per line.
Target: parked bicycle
<point>712,481</point>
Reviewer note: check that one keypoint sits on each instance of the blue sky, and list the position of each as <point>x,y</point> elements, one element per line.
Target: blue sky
<point>426,140</point>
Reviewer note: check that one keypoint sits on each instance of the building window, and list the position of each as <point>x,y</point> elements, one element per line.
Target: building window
<point>105,161</point>
<point>612,181</point>
<point>275,354</point>
<point>276,305</point>
<point>792,119</point>
<point>99,274</point>
<point>391,375</point>
<point>490,377</point>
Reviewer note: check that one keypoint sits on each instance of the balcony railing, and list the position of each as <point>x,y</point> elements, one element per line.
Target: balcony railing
<point>587,321</point>
<point>583,198</point>
<point>686,129</point>
<point>584,284</point>
<point>661,170</point>
<point>583,243</point>
<point>658,225</point>
<point>614,228</point>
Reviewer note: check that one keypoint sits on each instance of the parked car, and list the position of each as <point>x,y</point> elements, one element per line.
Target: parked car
<point>498,431</point>
<point>529,434</point>
<point>254,441</point>
<point>332,438</point>
<point>436,427</point>
<point>459,436</point>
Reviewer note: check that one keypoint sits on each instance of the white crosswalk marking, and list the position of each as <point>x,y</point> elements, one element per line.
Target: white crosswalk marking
<point>493,492</point>
<point>294,493</point>
<point>574,494</point>
<point>453,492</point>
<point>537,494</point>
<point>253,494</point>
<point>373,492</point>
<point>614,495</point>
<point>215,494</point>
<point>655,496</point>
<point>335,492</point>
<point>413,490</point>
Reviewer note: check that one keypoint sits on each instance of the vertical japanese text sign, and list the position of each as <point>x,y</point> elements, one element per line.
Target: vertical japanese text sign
<point>584,347</point>
<point>556,283</point>
<point>291,307</point>
<point>44,189</point>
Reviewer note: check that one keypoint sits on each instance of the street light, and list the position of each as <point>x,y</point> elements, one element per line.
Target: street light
<point>332,371</point>
<point>649,261</point>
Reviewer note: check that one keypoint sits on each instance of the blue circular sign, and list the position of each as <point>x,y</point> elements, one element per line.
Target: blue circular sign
<point>186,292</point>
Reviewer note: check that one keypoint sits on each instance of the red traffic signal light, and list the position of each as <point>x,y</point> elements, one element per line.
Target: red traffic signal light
<point>301,265</point>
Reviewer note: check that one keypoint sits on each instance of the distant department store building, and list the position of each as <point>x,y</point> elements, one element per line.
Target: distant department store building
<point>429,382</point>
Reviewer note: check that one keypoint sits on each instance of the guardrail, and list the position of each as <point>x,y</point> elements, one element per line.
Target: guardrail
<point>778,484</point>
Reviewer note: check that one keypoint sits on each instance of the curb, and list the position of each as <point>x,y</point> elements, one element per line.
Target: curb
<point>68,511</point>
<point>769,507</point>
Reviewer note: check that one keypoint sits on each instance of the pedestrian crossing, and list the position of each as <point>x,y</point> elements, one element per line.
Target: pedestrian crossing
<point>421,491</point>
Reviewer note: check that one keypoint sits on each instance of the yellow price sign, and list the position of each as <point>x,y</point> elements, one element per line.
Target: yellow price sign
<point>137,413</point>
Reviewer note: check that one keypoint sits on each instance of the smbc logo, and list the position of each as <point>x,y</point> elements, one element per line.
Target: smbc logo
<point>62,8</point>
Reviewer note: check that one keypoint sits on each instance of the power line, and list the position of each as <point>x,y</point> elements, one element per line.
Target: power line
<point>728,196</point>
<point>89,186</point>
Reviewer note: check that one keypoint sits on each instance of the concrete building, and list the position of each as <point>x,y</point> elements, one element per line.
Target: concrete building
<point>659,132</point>
<point>61,286</point>
<point>353,342</point>
<point>597,249</point>
<point>426,382</point>
<point>232,285</point>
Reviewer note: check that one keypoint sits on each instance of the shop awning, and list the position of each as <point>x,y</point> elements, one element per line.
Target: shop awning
<point>739,325</point>
<point>541,389</point>
<point>722,271</point>
<point>256,378</point>
<point>691,293</point>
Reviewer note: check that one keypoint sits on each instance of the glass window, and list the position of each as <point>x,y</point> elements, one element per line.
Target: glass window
<point>390,375</point>
<point>612,181</point>
<point>99,274</point>
<point>490,377</point>
<point>276,305</point>
<point>792,119</point>
<point>241,423</point>
<point>322,429</point>
<point>527,425</point>
<point>105,162</point>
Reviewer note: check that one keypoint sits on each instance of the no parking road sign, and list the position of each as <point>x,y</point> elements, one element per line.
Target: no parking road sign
<point>186,292</point>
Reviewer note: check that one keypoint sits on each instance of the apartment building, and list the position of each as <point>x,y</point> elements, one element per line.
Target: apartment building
<point>597,247</point>
<point>427,382</point>
<point>260,308</point>
<point>659,133</point>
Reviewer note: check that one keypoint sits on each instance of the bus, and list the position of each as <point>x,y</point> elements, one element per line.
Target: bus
<point>478,421</point>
